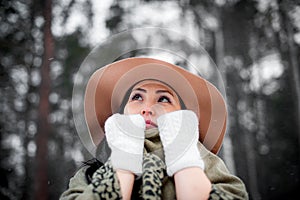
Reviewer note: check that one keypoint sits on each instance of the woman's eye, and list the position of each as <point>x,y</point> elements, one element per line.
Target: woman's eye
<point>136,97</point>
<point>164,99</point>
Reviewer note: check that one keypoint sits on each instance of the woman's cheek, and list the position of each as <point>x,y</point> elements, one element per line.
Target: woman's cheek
<point>125,110</point>
<point>159,110</point>
<point>131,108</point>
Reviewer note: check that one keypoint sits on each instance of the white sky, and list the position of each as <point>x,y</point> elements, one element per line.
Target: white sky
<point>78,19</point>
<point>265,72</point>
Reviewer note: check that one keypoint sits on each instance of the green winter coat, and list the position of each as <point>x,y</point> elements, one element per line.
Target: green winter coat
<point>105,185</point>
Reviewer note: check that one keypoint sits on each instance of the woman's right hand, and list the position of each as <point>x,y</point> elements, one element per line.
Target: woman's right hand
<point>125,136</point>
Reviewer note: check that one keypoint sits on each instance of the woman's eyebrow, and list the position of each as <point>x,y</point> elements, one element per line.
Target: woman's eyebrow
<point>157,91</point>
<point>164,91</point>
<point>141,89</point>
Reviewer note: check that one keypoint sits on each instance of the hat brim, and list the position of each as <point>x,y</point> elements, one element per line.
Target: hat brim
<point>107,88</point>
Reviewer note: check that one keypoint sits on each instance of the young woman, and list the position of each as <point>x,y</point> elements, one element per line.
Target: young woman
<point>163,126</point>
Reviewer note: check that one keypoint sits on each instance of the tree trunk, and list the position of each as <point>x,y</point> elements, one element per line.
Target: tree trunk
<point>293,61</point>
<point>236,29</point>
<point>291,55</point>
<point>41,183</point>
<point>227,152</point>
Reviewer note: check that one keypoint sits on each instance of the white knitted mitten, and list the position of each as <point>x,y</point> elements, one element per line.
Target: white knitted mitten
<point>125,136</point>
<point>179,135</point>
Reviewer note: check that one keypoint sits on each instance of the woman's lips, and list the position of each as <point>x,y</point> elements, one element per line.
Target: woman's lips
<point>150,124</point>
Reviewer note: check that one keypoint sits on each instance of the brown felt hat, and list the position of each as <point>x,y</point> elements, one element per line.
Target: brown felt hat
<point>108,86</point>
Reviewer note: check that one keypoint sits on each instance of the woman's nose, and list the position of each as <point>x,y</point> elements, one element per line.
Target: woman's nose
<point>147,111</point>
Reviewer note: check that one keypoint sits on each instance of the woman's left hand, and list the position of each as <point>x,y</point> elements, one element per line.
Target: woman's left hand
<point>179,135</point>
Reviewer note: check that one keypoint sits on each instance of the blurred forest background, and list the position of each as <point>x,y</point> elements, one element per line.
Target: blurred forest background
<point>255,44</point>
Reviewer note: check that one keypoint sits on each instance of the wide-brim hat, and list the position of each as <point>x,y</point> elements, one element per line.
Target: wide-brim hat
<point>108,86</point>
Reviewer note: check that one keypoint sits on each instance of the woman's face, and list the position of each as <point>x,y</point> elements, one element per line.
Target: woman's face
<point>151,99</point>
